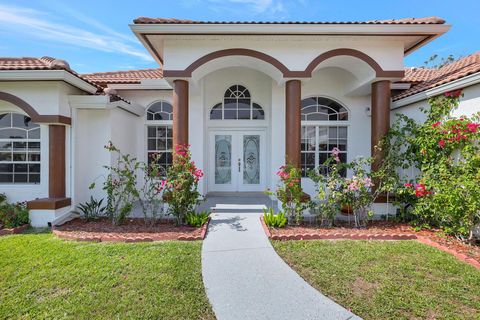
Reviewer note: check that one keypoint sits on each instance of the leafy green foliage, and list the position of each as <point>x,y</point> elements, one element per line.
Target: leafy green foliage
<point>92,209</point>
<point>274,220</point>
<point>196,219</point>
<point>334,190</point>
<point>123,189</point>
<point>182,184</point>
<point>289,192</point>
<point>446,191</point>
<point>12,214</point>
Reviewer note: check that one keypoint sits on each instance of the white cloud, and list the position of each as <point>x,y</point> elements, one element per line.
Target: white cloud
<point>38,24</point>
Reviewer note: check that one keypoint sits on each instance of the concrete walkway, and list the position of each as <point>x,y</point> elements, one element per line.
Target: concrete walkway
<point>246,279</point>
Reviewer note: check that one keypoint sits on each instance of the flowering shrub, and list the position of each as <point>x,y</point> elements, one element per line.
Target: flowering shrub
<point>446,192</point>
<point>335,190</point>
<point>122,190</point>
<point>182,184</point>
<point>12,214</point>
<point>289,192</point>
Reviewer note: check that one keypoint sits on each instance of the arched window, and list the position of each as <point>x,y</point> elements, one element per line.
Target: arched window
<point>19,149</point>
<point>159,133</point>
<point>237,105</point>
<point>323,128</point>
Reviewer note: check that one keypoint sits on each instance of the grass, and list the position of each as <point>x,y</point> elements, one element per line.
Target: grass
<point>43,277</point>
<point>387,279</point>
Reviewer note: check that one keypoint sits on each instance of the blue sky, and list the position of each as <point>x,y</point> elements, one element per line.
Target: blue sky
<point>93,35</point>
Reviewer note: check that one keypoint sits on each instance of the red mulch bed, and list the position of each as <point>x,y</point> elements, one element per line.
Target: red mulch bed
<point>380,230</point>
<point>16,230</point>
<point>133,230</point>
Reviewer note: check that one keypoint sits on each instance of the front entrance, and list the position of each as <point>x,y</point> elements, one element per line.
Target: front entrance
<point>237,160</point>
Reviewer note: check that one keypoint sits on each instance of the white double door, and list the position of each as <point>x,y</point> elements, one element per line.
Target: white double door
<point>237,160</point>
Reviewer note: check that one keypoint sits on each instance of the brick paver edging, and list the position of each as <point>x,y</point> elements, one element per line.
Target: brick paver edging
<point>377,236</point>
<point>16,230</point>
<point>113,237</point>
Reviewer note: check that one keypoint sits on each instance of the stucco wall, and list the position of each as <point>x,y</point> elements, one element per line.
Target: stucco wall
<point>334,83</point>
<point>181,51</point>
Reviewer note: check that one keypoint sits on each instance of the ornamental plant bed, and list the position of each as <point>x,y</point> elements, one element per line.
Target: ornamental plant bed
<point>16,230</point>
<point>133,230</point>
<point>380,230</point>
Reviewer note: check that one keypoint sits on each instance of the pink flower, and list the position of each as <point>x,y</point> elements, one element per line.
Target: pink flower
<point>408,185</point>
<point>453,94</point>
<point>335,152</point>
<point>436,124</point>
<point>473,127</point>
<point>441,143</point>
<point>421,190</point>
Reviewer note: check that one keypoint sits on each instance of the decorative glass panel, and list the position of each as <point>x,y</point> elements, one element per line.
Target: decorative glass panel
<point>223,159</point>
<point>251,159</point>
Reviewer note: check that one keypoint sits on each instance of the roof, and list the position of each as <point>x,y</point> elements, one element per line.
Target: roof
<point>43,63</point>
<point>424,79</point>
<point>126,76</point>
<point>426,20</point>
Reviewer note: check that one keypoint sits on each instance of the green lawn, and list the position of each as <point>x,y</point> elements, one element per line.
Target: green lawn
<point>42,277</point>
<point>388,280</point>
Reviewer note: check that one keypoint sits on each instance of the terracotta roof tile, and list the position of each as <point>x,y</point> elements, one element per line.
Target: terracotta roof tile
<point>425,79</point>
<point>426,20</point>
<point>128,76</point>
<point>43,63</point>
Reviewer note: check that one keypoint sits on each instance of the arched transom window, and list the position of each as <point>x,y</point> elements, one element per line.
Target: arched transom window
<point>237,105</point>
<point>19,149</point>
<point>159,133</point>
<point>323,129</point>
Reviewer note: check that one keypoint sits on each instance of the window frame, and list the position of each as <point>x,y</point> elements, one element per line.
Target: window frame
<point>156,124</point>
<point>252,103</point>
<point>26,151</point>
<point>317,124</point>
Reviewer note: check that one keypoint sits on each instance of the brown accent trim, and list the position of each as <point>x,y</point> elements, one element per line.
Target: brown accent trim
<point>380,120</point>
<point>307,73</point>
<point>150,45</point>
<point>31,111</point>
<point>293,94</point>
<point>49,203</point>
<point>180,112</point>
<point>56,157</point>
<point>225,53</point>
<point>353,53</point>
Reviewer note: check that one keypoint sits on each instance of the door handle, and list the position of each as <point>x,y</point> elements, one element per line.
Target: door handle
<point>239,164</point>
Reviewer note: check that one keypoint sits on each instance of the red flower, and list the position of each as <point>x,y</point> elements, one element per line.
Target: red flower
<point>421,190</point>
<point>436,124</point>
<point>408,185</point>
<point>453,94</point>
<point>441,143</point>
<point>473,127</point>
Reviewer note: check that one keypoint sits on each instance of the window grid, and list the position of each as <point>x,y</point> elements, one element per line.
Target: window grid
<point>322,130</point>
<point>19,149</point>
<point>237,105</point>
<point>160,141</point>
<point>160,110</point>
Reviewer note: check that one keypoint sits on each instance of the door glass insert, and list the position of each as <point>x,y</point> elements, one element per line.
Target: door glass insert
<point>223,159</point>
<point>251,159</point>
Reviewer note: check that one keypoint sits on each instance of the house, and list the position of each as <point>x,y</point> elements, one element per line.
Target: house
<point>247,96</point>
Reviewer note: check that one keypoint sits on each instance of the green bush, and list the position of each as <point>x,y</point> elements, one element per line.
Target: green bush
<point>196,220</point>
<point>274,220</point>
<point>92,209</point>
<point>12,214</point>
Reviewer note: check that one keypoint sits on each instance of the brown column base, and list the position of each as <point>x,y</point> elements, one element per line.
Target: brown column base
<point>49,203</point>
